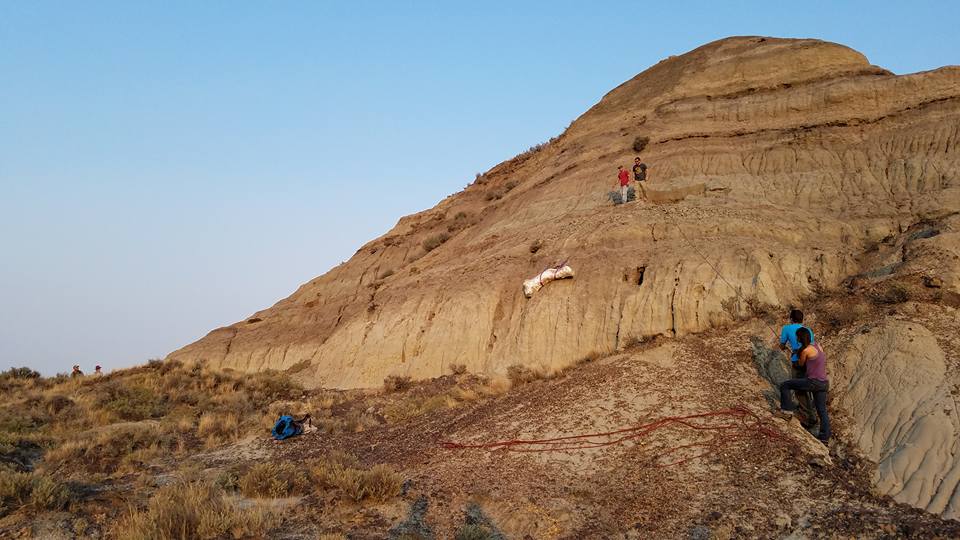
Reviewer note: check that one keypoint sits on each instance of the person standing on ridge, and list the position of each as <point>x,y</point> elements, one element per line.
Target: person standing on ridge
<point>624,178</point>
<point>97,372</point>
<point>640,175</point>
<point>76,371</point>
<point>813,361</point>
<point>788,338</point>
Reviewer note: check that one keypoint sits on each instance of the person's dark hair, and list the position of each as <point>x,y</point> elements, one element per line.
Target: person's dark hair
<point>796,316</point>
<point>636,158</point>
<point>803,336</point>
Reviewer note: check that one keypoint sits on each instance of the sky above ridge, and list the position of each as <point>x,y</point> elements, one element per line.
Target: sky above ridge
<point>172,167</point>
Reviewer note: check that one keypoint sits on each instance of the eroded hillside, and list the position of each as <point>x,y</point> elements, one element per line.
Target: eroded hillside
<point>782,172</point>
<point>790,160</point>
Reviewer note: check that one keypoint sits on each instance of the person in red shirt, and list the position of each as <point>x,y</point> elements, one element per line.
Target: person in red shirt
<point>624,178</point>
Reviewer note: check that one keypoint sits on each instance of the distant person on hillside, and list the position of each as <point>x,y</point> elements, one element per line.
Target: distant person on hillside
<point>813,361</point>
<point>624,177</point>
<point>788,338</point>
<point>97,372</point>
<point>640,176</point>
<point>76,371</point>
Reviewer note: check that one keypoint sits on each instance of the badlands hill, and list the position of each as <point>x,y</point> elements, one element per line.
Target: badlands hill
<point>798,156</point>
<point>782,172</point>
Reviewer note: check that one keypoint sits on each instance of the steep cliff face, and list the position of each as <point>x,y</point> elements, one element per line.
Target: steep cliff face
<point>778,162</point>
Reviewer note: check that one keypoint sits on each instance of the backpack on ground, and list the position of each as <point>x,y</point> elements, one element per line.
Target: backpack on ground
<point>288,426</point>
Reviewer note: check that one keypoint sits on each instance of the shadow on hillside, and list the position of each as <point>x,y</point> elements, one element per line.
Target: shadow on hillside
<point>772,365</point>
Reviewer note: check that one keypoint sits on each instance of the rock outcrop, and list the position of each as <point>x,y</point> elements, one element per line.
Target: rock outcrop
<point>777,162</point>
<point>895,383</point>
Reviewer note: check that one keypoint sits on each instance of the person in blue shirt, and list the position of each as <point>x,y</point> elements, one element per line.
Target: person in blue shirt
<point>788,338</point>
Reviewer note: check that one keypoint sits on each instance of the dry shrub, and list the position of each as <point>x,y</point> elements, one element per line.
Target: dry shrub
<point>40,492</point>
<point>104,451</point>
<point>494,195</point>
<point>396,383</point>
<point>331,536</point>
<point>20,373</point>
<point>510,185</point>
<point>460,216</point>
<point>339,472</point>
<point>408,408</point>
<point>894,293</point>
<point>55,404</point>
<point>130,402</point>
<point>464,394</point>
<point>535,246</point>
<point>193,510</point>
<point>839,315</point>
<point>218,427</point>
<point>474,531</point>
<point>432,242</point>
<point>273,480</point>
<point>520,374</point>
<point>495,386</point>
<point>640,143</point>
<point>458,369</point>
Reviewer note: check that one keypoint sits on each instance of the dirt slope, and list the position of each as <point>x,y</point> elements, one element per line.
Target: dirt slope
<point>795,156</point>
<point>675,482</point>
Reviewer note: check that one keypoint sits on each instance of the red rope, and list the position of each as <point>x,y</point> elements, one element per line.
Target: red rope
<point>748,423</point>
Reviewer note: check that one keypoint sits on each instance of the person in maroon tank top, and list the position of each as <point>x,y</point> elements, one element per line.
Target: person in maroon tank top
<point>812,358</point>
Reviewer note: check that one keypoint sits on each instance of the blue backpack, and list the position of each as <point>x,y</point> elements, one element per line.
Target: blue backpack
<point>287,427</point>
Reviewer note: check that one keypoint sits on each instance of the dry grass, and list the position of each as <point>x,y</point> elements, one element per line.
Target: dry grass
<point>273,480</point>
<point>458,369</point>
<point>520,374</point>
<point>475,532</point>
<point>36,491</point>
<point>396,383</point>
<point>216,428</point>
<point>339,472</point>
<point>105,451</point>
<point>193,510</point>
<point>397,411</point>
<point>495,386</point>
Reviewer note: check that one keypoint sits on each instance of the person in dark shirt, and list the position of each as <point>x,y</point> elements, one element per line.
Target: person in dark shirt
<point>640,176</point>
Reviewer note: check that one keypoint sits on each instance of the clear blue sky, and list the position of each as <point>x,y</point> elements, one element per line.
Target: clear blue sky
<point>170,167</point>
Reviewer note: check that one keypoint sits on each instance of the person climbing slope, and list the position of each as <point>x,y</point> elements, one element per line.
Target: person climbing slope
<point>813,360</point>
<point>788,338</point>
<point>640,176</point>
<point>624,178</point>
